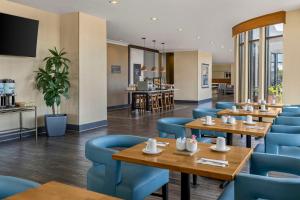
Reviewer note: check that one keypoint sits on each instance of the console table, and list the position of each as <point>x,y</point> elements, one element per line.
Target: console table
<point>21,130</point>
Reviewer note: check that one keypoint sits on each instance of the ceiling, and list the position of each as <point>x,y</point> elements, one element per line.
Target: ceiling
<point>206,24</point>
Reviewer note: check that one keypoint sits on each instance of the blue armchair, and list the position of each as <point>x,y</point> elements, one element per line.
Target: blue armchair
<point>11,185</point>
<point>224,105</point>
<point>290,121</point>
<point>293,109</point>
<point>258,185</point>
<point>121,179</point>
<point>173,127</point>
<point>285,129</point>
<point>203,112</point>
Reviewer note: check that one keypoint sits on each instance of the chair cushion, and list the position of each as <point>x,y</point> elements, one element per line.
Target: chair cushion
<point>228,193</point>
<point>139,181</point>
<point>12,185</point>
<point>260,148</point>
<point>289,151</point>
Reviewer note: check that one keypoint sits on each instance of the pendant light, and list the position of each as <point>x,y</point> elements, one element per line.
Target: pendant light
<point>144,68</point>
<point>162,69</point>
<point>154,67</point>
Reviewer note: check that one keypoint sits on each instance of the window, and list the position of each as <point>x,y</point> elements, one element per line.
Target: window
<point>241,63</point>
<point>274,56</point>
<point>253,72</point>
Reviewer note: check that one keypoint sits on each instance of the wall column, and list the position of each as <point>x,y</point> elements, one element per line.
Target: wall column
<point>262,63</point>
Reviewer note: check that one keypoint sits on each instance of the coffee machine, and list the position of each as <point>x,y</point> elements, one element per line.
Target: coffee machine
<point>9,94</point>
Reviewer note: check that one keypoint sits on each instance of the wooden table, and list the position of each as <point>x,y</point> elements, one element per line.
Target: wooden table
<point>58,191</point>
<point>238,128</point>
<point>187,165</point>
<point>257,105</point>
<point>271,113</point>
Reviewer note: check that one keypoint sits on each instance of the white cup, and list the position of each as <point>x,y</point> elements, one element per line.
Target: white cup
<point>274,101</point>
<point>248,100</point>
<point>180,144</point>
<point>249,119</point>
<point>245,108</point>
<point>234,108</point>
<point>208,120</point>
<point>264,102</point>
<point>221,143</point>
<point>224,119</point>
<point>191,145</point>
<point>250,108</point>
<point>263,107</point>
<point>259,101</point>
<point>232,120</point>
<point>151,145</point>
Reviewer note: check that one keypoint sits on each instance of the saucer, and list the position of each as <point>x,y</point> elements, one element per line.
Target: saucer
<point>251,123</point>
<point>212,124</point>
<point>213,147</point>
<point>266,110</point>
<point>152,153</point>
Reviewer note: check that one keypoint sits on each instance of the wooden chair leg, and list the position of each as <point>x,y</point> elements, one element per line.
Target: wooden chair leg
<point>165,192</point>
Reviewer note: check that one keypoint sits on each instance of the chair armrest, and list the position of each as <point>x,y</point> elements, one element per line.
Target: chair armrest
<point>249,187</point>
<point>262,163</point>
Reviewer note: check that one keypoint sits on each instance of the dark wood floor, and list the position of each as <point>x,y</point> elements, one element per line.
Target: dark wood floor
<point>62,159</point>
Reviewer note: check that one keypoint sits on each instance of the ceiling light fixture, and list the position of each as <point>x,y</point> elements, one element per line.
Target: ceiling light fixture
<point>154,18</point>
<point>180,29</point>
<point>222,46</point>
<point>198,37</point>
<point>212,42</point>
<point>230,50</point>
<point>144,68</point>
<point>153,69</point>
<point>113,2</point>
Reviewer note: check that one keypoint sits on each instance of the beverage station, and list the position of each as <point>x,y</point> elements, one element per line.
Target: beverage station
<point>9,105</point>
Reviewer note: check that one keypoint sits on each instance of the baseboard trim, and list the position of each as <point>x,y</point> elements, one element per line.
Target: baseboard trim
<point>118,107</point>
<point>86,127</point>
<point>193,101</point>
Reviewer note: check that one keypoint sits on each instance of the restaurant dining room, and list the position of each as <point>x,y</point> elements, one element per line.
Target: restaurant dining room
<point>134,100</point>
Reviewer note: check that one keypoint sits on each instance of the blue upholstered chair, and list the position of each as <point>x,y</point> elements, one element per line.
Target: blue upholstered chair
<point>203,112</point>
<point>294,109</point>
<point>224,105</point>
<point>11,185</point>
<point>290,114</point>
<point>285,129</point>
<point>173,127</point>
<point>121,179</point>
<point>290,121</point>
<point>258,185</point>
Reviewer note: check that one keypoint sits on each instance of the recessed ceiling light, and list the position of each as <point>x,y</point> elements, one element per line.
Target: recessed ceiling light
<point>222,46</point>
<point>154,18</point>
<point>180,29</point>
<point>198,37</point>
<point>113,1</point>
<point>212,43</point>
<point>230,50</point>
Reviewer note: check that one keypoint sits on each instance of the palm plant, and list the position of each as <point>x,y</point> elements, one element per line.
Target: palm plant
<point>53,78</point>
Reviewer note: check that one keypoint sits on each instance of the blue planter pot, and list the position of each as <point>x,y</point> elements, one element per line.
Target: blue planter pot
<point>56,125</point>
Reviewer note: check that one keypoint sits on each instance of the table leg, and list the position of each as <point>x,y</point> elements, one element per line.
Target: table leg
<point>248,141</point>
<point>147,102</point>
<point>194,179</point>
<point>35,124</point>
<point>229,139</point>
<point>185,186</point>
<point>260,119</point>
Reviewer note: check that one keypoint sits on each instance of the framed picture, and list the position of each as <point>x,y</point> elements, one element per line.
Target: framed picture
<point>115,69</point>
<point>204,75</point>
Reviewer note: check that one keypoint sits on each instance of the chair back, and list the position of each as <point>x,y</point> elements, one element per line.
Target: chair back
<point>290,114</point>
<point>224,105</point>
<point>290,121</point>
<point>203,112</point>
<point>100,150</point>
<point>292,109</point>
<point>285,129</point>
<point>172,127</point>
<point>258,185</point>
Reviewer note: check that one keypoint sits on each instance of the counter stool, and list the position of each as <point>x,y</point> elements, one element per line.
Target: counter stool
<point>172,100</point>
<point>140,102</point>
<point>160,101</point>
<point>166,101</point>
<point>154,103</point>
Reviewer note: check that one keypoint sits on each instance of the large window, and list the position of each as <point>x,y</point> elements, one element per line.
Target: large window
<point>274,56</point>
<point>253,71</point>
<point>241,63</point>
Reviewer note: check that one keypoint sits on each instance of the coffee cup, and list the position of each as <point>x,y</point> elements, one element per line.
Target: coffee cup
<point>180,144</point>
<point>263,107</point>
<point>224,119</point>
<point>250,108</point>
<point>245,108</point>
<point>151,145</point>
<point>208,120</point>
<point>259,101</point>
<point>274,101</point>
<point>234,108</point>
<point>248,100</point>
<point>264,102</point>
<point>232,120</point>
<point>221,143</point>
<point>249,119</point>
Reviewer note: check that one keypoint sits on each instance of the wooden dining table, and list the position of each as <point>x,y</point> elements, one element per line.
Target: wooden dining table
<point>186,165</point>
<point>59,191</point>
<point>258,105</point>
<point>259,129</point>
<point>270,113</point>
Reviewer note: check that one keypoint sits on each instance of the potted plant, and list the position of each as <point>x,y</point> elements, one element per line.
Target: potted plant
<point>276,92</point>
<point>53,81</point>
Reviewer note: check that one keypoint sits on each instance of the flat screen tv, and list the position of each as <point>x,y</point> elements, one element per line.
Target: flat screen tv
<point>18,35</point>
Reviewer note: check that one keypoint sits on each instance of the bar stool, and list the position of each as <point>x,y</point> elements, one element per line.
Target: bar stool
<point>166,101</point>
<point>140,102</point>
<point>172,100</point>
<point>154,102</point>
<point>160,101</point>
